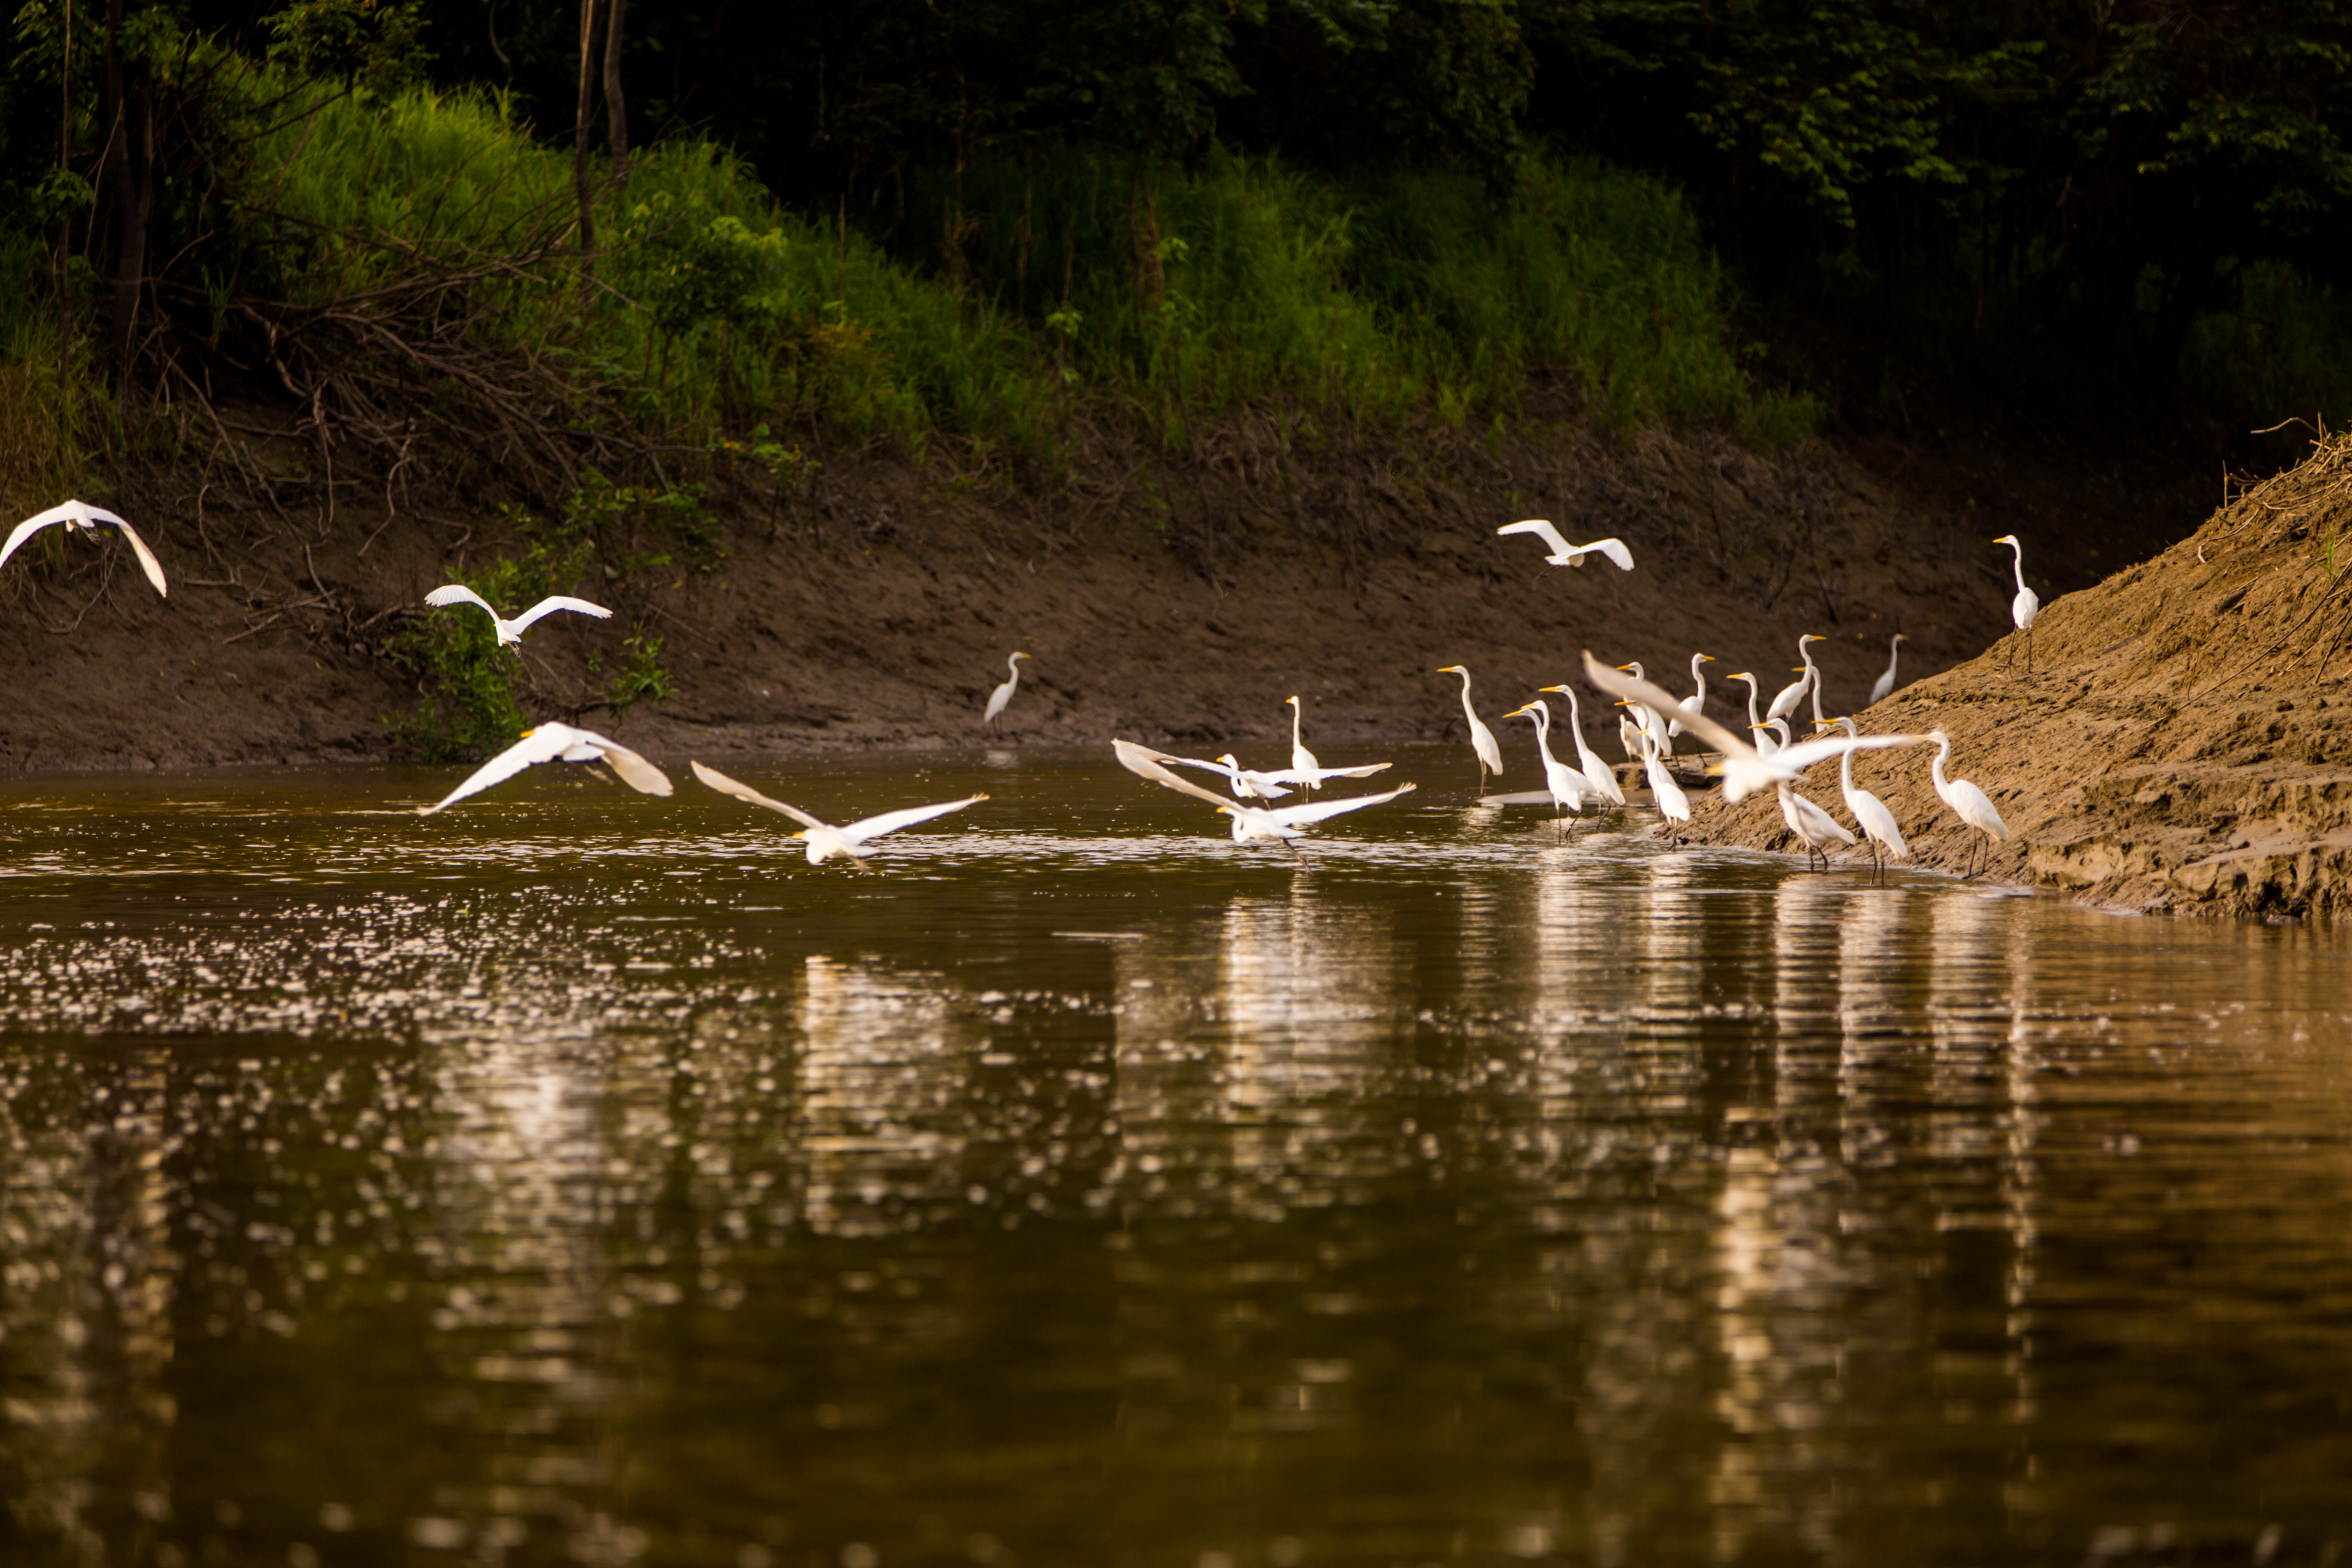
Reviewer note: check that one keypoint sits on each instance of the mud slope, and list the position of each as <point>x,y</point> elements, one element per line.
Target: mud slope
<point>1166,599</point>
<point>2185,738</point>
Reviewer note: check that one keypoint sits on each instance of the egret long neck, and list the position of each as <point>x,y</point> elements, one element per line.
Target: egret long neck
<point>2017,558</point>
<point>1936,769</point>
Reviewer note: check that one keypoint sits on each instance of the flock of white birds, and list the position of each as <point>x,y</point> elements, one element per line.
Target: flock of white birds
<point>1770,757</point>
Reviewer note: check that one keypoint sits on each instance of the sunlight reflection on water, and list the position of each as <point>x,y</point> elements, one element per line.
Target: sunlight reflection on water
<point>586,1179</point>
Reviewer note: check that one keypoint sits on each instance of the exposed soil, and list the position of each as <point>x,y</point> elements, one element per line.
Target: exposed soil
<point>2184,740</point>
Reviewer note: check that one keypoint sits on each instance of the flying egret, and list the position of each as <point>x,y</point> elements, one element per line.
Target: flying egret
<point>511,632</point>
<point>1482,739</point>
<point>1791,695</point>
<point>1247,783</point>
<point>1568,788</point>
<point>1869,813</point>
<point>1812,826</point>
<point>1673,804</point>
<point>1597,773</point>
<point>2022,608</point>
<point>555,742</point>
<point>1280,823</point>
<point>826,841</point>
<point>1698,678</point>
<point>1566,554</point>
<point>1003,692</point>
<point>1884,688</point>
<point>1743,769</point>
<point>1968,802</point>
<point>84,518</point>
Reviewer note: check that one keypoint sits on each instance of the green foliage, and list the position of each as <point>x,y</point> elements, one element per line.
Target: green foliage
<point>641,678</point>
<point>472,702</point>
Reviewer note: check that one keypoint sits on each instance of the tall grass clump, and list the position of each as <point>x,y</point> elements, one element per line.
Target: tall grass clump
<point>2282,351</point>
<point>54,408</point>
<point>1581,268</point>
<point>1200,291</point>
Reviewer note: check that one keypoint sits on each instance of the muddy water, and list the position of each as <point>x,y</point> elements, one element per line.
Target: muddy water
<point>582,1177</point>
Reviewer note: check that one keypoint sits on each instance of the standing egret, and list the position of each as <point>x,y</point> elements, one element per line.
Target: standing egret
<point>1698,701</point>
<point>1280,823</point>
<point>1302,761</point>
<point>1812,826</point>
<point>1870,814</point>
<point>1644,718</point>
<point>1482,739</point>
<point>1764,742</point>
<point>1968,802</point>
<point>1673,804</point>
<point>1884,688</point>
<point>83,517</point>
<point>1791,695</point>
<point>1745,769</point>
<point>1003,693</point>
<point>826,841</point>
<point>1568,788</point>
<point>2022,608</point>
<point>511,632</point>
<point>1597,773</point>
<point>549,743</point>
<point>1566,554</point>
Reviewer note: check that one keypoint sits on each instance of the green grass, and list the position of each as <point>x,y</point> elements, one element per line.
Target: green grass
<point>2284,351</point>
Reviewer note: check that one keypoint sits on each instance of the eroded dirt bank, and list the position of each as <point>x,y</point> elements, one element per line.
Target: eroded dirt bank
<point>2184,741</point>
<point>1169,601</point>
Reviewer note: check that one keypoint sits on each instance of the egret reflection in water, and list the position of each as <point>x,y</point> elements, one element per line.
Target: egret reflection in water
<point>533,1190</point>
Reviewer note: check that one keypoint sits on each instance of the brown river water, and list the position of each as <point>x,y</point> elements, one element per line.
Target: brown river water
<point>581,1177</point>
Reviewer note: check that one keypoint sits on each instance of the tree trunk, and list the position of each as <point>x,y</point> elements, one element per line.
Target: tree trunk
<point>581,186</point>
<point>616,110</point>
<point>131,158</point>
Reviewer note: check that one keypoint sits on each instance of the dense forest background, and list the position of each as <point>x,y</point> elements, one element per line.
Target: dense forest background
<point>594,264</point>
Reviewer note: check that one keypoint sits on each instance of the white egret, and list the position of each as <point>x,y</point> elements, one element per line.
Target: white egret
<point>1968,802</point>
<point>2022,608</point>
<point>1566,554</point>
<point>1302,761</point>
<point>1698,678</point>
<point>1644,720</point>
<point>1568,788</point>
<point>1003,693</point>
<point>558,742</point>
<point>1246,783</point>
<point>1812,826</point>
<point>826,841</point>
<point>1673,804</point>
<point>1764,742</point>
<point>83,517</point>
<point>1791,696</point>
<point>1884,686</point>
<point>1743,769</point>
<point>1482,739</point>
<point>511,632</point>
<point>1597,773</point>
<point>1869,813</point>
<point>1280,823</point>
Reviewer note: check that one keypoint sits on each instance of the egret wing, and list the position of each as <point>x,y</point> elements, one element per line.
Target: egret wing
<point>1635,689</point>
<point>1146,763</point>
<point>1621,558</point>
<point>906,816</point>
<point>726,786</point>
<point>29,527</point>
<point>554,603</point>
<point>1319,810</point>
<point>1542,530</point>
<point>458,593</point>
<point>147,561</point>
<point>1795,760</point>
<point>633,771</point>
<point>1365,772</point>
<point>545,743</point>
